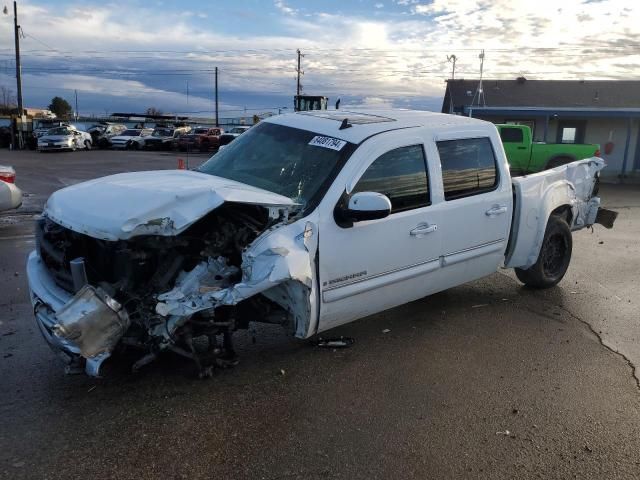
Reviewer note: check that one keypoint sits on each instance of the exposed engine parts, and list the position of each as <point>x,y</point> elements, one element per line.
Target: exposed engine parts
<point>186,293</point>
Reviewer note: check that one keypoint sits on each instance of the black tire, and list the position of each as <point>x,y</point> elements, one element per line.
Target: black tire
<point>87,145</point>
<point>557,161</point>
<point>554,258</point>
<point>134,146</point>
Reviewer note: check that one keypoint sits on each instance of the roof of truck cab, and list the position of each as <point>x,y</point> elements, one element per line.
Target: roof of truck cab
<point>365,123</point>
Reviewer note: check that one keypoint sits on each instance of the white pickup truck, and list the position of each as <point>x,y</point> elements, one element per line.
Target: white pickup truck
<point>309,220</point>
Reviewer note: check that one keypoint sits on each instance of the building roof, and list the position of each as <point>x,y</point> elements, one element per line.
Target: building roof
<point>365,123</point>
<point>545,93</point>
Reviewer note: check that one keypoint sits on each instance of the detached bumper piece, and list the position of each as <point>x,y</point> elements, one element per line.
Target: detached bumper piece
<point>606,217</point>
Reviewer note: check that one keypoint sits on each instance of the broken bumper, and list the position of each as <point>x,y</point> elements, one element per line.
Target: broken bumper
<point>47,299</point>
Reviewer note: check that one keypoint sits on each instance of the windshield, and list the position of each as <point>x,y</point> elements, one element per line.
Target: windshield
<point>238,130</point>
<point>60,131</point>
<point>280,159</point>
<point>130,133</point>
<point>201,131</point>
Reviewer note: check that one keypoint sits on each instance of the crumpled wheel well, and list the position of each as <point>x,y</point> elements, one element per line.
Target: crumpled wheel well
<point>565,212</point>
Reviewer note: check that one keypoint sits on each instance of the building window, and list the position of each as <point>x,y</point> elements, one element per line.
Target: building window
<point>468,167</point>
<point>571,131</point>
<point>401,175</point>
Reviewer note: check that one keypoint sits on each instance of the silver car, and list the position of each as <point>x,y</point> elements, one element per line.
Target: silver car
<point>64,138</point>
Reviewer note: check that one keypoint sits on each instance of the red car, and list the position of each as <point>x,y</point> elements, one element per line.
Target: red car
<point>202,139</point>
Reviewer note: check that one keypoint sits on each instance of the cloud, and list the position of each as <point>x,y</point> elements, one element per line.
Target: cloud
<point>280,5</point>
<point>396,53</point>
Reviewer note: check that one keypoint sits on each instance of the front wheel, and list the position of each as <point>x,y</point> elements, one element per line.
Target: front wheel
<point>553,260</point>
<point>87,145</point>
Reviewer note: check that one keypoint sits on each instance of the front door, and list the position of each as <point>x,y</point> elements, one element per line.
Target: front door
<point>377,264</point>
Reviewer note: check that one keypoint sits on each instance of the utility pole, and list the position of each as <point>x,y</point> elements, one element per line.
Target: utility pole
<point>480,91</point>
<point>217,119</point>
<point>76,94</point>
<point>299,72</point>
<point>452,59</point>
<point>16,32</point>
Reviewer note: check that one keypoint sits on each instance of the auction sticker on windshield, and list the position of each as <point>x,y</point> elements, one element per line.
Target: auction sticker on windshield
<point>327,142</point>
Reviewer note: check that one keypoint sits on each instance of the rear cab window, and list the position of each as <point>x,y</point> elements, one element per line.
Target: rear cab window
<point>469,167</point>
<point>511,135</point>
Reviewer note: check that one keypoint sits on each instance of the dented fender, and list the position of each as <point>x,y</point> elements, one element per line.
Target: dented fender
<point>279,264</point>
<point>538,195</point>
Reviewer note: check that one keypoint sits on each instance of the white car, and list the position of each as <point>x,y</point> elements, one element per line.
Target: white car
<point>10,194</point>
<point>230,135</point>
<point>310,221</point>
<point>132,138</point>
<point>64,138</point>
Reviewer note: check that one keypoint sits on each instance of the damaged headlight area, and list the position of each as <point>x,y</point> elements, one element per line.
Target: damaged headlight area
<point>186,293</point>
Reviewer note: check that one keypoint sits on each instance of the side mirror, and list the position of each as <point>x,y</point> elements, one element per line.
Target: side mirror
<point>368,206</point>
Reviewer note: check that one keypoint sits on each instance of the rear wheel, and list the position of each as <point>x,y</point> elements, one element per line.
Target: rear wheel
<point>553,260</point>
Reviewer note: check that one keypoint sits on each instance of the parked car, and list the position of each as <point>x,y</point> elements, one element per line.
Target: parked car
<point>163,138</point>
<point>10,194</point>
<point>64,138</point>
<point>230,135</point>
<point>308,220</point>
<point>102,133</point>
<point>526,156</point>
<point>202,139</point>
<point>131,138</point>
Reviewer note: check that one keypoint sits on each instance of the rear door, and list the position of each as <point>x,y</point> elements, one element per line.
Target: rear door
<point>476,205</point>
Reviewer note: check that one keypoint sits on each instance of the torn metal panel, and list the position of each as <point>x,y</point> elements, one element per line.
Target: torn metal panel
<point>93,321</point>
<point>280,258</point>
<point>540,194</point>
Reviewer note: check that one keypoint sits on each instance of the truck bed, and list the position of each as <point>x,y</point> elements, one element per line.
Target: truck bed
<point>568,187</point>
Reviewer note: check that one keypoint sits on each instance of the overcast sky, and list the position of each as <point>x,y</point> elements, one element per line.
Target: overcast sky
<point>127,56</point>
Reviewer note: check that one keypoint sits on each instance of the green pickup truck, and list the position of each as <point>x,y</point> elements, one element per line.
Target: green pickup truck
<point>526,156</point>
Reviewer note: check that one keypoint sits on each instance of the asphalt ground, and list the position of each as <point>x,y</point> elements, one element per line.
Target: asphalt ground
<point>486,380</point>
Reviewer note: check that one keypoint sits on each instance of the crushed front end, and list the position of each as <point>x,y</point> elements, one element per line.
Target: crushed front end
<point>185,293</point>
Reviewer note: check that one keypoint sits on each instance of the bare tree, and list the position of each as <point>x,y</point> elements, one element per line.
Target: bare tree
<point>7,100</point>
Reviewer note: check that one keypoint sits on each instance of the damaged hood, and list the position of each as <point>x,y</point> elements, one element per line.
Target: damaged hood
<point>164,202</point>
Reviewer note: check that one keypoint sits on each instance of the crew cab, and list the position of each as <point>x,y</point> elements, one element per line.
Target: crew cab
<point>526,156</point>
<point>202,139</point>
<point>308,220</point>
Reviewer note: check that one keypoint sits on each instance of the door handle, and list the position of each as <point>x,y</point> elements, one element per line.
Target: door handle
<point>496,210</point>
<point>423,229</point>
<point>522,148</point>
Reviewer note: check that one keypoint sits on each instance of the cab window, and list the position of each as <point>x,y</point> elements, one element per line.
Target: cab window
<point>469,167</point>
<point>401,175</point>
<point>511,135</point>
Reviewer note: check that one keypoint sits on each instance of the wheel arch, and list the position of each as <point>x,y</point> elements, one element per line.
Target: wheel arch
<point>558,198</point>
